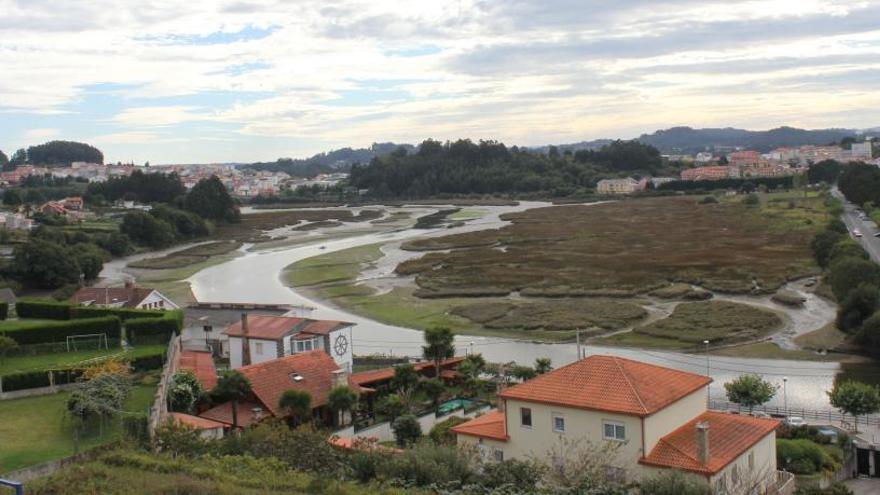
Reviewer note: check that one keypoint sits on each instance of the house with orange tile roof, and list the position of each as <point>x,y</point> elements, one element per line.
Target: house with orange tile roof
<point>314,372</point>
<point>128,296</point>
<point>260,338</point>
<point>655,416</point>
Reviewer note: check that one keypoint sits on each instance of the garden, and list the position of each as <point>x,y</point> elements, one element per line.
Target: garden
<point>53,344</point>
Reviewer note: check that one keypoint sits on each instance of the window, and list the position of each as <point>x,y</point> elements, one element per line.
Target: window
<point>525,416</point>
<point>499,455</point>
<point>304,345</point>
<point>558,423</point>
<point>259,347</point>
<point>613,431</point>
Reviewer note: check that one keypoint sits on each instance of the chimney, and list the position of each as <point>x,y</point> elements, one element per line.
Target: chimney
<point>703,442</point>
<point>129,283</point>
<point>499,401</point>
<point>245,343</point>
<point>340,378</point>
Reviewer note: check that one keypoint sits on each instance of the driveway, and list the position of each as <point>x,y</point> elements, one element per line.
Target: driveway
<point>870,486</point>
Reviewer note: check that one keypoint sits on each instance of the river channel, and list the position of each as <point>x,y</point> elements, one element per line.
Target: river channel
<point>256,277</point>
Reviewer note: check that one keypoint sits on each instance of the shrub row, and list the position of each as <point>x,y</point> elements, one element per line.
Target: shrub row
<point>53,310</point>
<point>26,333</point>
<point>4,310</point>
<point>51,348</point>
<point>152,330</point>
<point>36,379</point>
<point>148,362</point>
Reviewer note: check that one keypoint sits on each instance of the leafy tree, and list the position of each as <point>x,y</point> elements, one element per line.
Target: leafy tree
<point>470,370</point>
<point>90,259</point>
<point>392,406</point>
<point>405,378</point>
<point>137,186</point>
<point>869,334</point>
<point>524,373</point>
<point>115,243</point>
<point>847,248</point>
<point>848,273</point>
<point>186,225</point>
<point>210,199</point>
<point>438,346</point>
<point>63,153</point>
<point>234,387</point>
<point>12,197</point>
<point>826,171</point>
<point>434,388</point>
<point>4,162</point>
<point>184,392</point>
<point>44,265</point>
<point>750,391</point>
<point>855,398</point>
<point>543,365</point>
<point>407,430</point>
<point>297,404</point>
<point>823,243</point>
<point>147,230</point>
<point>440,433</point>
<point>341,399</point>
<point>18,158</point>
<point>6,344</point>
<point>859,304</point>
<point>860,183</point>
<point>33,197</point>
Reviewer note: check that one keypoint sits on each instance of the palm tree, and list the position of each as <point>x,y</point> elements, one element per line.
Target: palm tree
<point>340,399</point>
<point>438,346</point>
<point>297,404</point>
<point>233,386</point>
<point>543,365</point>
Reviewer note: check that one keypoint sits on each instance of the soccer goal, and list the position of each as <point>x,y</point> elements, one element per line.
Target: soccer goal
<point>87,342</point>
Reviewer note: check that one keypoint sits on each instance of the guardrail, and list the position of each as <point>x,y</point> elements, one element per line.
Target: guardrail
<point>828,415</point>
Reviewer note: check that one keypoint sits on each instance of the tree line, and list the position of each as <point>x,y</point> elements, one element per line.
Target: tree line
<point>490,167</point>
<point>61,153</point>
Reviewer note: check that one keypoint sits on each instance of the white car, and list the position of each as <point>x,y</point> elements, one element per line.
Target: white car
<point>857,233</point>
<point>795,421</point>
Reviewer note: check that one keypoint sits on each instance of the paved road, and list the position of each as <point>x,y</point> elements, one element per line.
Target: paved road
<point>866,227</point>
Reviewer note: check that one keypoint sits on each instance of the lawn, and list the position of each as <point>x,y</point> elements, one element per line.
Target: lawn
<point>61,360</point>
<point>627,246</point>
<point>36,429</point>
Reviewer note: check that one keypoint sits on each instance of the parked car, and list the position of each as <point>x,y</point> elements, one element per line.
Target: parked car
<point>828,432</point>
<point>857,233</point>
<point>795,421</point>
<point>760,414</point>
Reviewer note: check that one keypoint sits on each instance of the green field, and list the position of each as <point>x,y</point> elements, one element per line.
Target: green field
<point>63,360</point>
<point>37,429</point>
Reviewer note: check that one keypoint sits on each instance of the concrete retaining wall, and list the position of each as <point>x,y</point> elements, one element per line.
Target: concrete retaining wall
<point>384,433</point>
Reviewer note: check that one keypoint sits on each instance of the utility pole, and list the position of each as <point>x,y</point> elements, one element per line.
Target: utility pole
<point>708,394</point>
<point>578,344</point>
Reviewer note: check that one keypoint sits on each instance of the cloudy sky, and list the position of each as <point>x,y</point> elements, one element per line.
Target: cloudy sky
<point>215,81</point>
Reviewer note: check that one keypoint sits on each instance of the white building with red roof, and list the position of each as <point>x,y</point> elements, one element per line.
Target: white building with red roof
<point>260,338</point>
<point>313,372</point>
<point>656,417</point>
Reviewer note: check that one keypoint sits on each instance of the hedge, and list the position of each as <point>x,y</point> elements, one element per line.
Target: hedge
<point>47,309</point>
<point>25,333</point>
<point>153,330</point>
<point>4,310</point>
<point>148,362</point>
<point>37,379</point>
<point>42,309</point>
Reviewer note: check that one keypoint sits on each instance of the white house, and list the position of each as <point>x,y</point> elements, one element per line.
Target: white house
<point>656,417</point>
<point>259,338</point>
<point>123,297</point>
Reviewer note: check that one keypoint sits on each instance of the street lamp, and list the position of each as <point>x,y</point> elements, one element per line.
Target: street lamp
<point>708,394</point>
<point>785,394</point>
<point>472,347</point>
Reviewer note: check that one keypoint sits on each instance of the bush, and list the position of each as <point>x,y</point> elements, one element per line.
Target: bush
<point>708,200</point>
<point>25,380</point>
<point>153,330</point>
<point>428,464</point>
<point>124,314</point>
<point>802,456</point>
<point>25,332</point>
<point>440,433</point>
<point>407,429</point>
<point>673,483</point>
<point>751,200</point>
<point>4,310</point>
<point>136,428</point>
<point>513,474</point>
<point>148,362</point>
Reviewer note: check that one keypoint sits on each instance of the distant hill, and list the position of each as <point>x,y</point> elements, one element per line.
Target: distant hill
<point>62,154</point>
<point>339,160</point>
<point>689,140</point>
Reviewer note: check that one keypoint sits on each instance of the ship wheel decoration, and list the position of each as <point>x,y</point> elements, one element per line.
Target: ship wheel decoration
<point>340,345</point>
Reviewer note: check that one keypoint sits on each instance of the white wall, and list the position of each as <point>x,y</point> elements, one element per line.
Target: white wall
<point>345,359</point>
<point>673,416</point>
<point>261,351</point>
<point>154,300</point>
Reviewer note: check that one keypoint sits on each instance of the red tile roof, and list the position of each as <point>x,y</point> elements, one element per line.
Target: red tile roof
<point>201,364</point>
<point>129,296</point>
<point>270,379</point>
<point>223,413</point>
<point>730,436</point>
<point>382,374</point>
<point>489,425</point>
<point>609,383</point>
<point>196,422</point>
<point>323,327</point>
<point>265,327</point>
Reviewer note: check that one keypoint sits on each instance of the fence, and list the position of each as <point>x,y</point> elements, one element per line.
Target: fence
<point>159,409</point>
<point>384,433</point>
<point>785,483</point>
<point>828,415</point>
